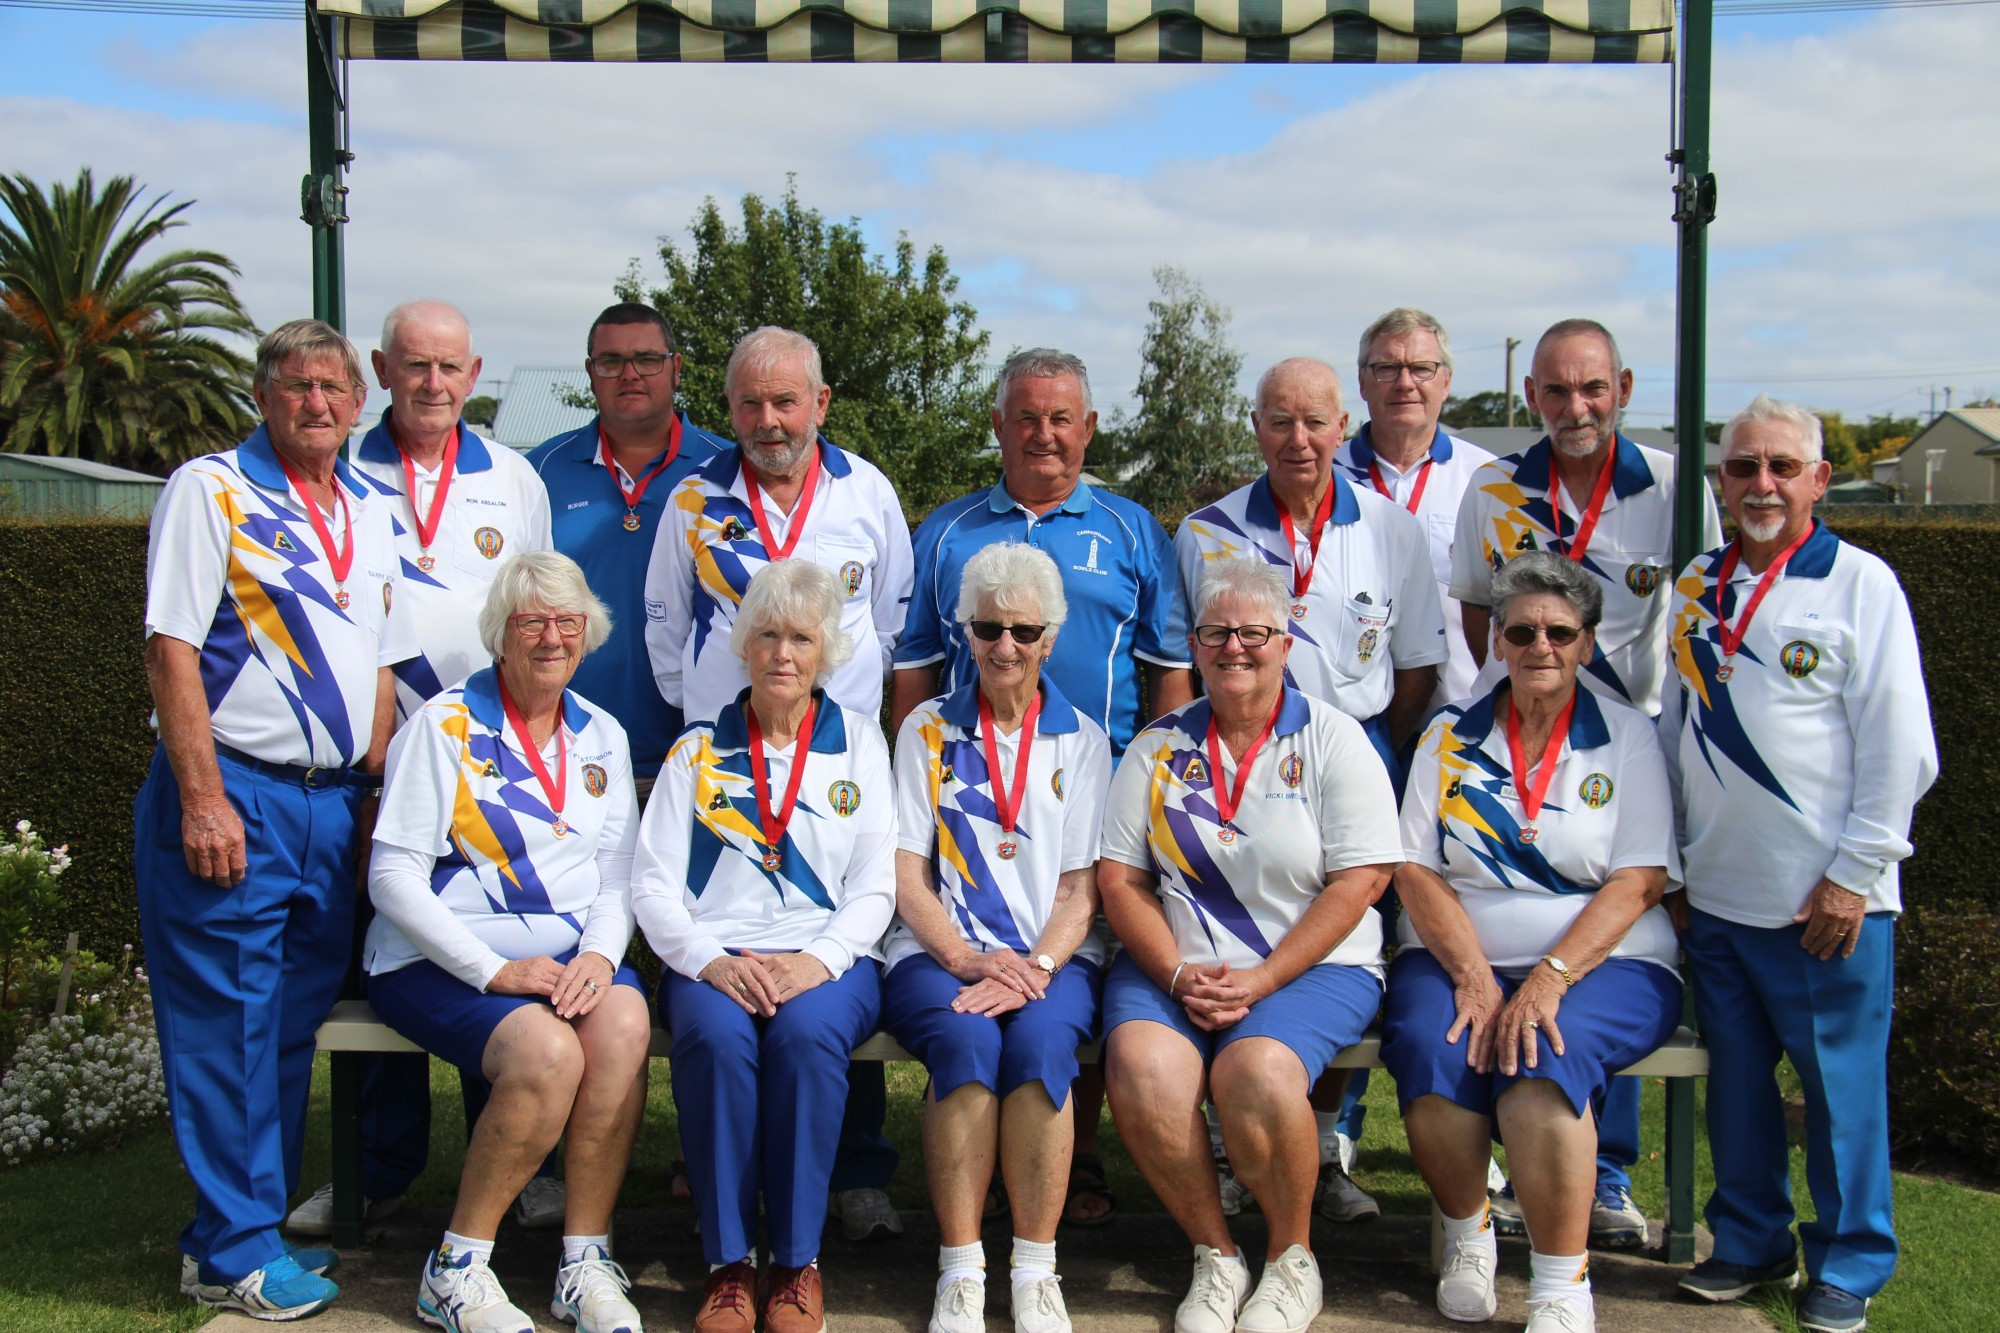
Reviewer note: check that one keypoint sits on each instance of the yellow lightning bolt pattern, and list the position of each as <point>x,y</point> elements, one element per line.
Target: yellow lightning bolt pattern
<point>1453,808</point>
<point>932,730</point>
<point>468,822</point>
<point>1689,620</point>
<point>704,536</point>
<point>1511,524</point>
<point>252,601</point>
<point>1165,845</point>
<point>710,781</point>
<point>1224,543</point>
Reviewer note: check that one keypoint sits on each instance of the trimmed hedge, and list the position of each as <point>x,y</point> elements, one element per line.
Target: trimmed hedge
<point>1944,1053</point>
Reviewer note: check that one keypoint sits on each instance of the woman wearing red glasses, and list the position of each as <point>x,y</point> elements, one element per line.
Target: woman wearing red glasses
<point>1536,960</point>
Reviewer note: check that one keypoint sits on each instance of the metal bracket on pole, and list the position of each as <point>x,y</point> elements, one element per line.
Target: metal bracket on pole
<point>1694,199</point>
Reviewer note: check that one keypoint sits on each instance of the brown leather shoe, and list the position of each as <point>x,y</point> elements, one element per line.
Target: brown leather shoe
<point>794,1304</point>
<point>729,1303</point>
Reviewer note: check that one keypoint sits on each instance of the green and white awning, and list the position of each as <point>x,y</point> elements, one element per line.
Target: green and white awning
<point>1012,31</point>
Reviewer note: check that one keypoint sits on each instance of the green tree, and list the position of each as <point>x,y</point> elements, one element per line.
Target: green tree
<point>1190,441</point>
<point>904,356</point>
<point>1485,409</point>
<point>480,409</point>
<point>107,356</point>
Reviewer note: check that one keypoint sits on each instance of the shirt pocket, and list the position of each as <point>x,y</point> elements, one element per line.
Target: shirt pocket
<point>1442,530</point>
<point>1811,657</point>
<point>851,561</point>
<point>1362,639</point>
<point>487,536</point>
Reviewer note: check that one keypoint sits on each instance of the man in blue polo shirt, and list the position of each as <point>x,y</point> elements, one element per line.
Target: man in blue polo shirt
<point>608,483</point>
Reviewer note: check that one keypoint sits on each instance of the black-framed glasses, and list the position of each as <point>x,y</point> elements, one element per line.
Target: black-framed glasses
<point>531,627</point>
<point>1746,469</point>
<point>1250,636</point>
<point>1387,372</point>
<point>610,365</point>
<point>991,630</point>
<point>1559,636</point>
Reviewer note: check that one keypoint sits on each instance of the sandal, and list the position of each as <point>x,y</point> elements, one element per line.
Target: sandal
<point>1087,1181</point>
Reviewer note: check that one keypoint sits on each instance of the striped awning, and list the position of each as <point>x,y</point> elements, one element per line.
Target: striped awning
<point>1012,31</point>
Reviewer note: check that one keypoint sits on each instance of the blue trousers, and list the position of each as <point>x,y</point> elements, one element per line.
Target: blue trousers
<point>1760,996</point>
<point>1617,1132</point>
<point>241,979</point>
<point>760,1102</point>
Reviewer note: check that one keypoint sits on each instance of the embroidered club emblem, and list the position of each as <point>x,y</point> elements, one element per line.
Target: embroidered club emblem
<point>850,577</point>
<point>1292,771</point>
<point>844,797</point>
<point>1799,659</point>
<point>488,541</point>
<point>1595,791</point>
<point>1642,579</point>
<point>594,780</point>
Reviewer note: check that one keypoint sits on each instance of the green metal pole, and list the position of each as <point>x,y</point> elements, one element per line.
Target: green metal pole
<point>323,199</point>
<point>1694,196</point>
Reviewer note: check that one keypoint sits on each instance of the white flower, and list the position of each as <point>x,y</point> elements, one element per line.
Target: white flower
<point>24,827</point>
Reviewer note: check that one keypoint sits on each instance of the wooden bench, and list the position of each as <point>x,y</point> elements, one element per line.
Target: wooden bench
<point>352,1030</point>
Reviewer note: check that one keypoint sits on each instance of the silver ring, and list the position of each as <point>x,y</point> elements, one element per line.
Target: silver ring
<point>742,989</point>
<point>1531,1026</point>
<point>590,986</point>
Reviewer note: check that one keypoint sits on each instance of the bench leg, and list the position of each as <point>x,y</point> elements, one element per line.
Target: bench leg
<point>346,1149</point>
<point>1680,1171</point>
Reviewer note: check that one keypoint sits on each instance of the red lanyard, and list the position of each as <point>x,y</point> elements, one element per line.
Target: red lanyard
<point>774,821</point>
<point>772,550</point>
<point>1006,801</point>
<point>341,559</point>
<point>1581,542</point>
<point>638,491</point>
<point>1732,639</point>
<point>1302,579</point>
<point>1227,796</point>
<point>556,787</point>
<point>427,524</point>
<point>1532,788</point>
<point>1417,495</point>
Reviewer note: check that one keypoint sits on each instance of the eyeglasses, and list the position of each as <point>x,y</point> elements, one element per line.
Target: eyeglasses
<point>610,365</point>
<point>1559,636</point>
<point>334,391</point>
<point>531,627</point>
<point>990,631</point>
<point>1387,372</point>
<point>1781,469</point>
<point>1216,636</point>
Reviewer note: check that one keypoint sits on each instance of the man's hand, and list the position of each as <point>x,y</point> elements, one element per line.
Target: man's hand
<point>790,974</point>
<point>1832,917</point>
<point>526,976</point>
<point>212,841</point>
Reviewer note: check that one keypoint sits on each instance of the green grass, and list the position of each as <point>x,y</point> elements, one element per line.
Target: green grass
<point>87,1244</point>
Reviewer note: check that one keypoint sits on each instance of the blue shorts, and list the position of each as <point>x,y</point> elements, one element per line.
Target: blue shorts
<point>1621,1012</point>
<point>1035,1043</point>
<point>1323,1011</point>
<point>450,1019</point>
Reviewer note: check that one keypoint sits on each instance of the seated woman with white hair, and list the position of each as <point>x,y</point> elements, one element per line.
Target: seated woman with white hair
<point>993,973</point>
<point>1246,838</point>
<point>765,874</point>
<point>500,877</point>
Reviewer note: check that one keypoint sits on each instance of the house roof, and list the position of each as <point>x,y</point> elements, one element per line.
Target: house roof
<point>83,467</point>
<point>1984,420</point>
<point>530,412</point>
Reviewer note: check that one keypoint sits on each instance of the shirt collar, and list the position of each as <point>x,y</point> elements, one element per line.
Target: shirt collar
<point>1363,445</point>
<point>379,446</point>
<point>1261,508</point>
<point>258,458</point>
<point>1629,472</point>
<point>1001,501</point>
<point>728,465</point>
<point>1293,714</point>
<point>592,436</point>
<point>1058,716</point>
<point>482,700</point>
<point>1587,729</point>
<point>732,731</point>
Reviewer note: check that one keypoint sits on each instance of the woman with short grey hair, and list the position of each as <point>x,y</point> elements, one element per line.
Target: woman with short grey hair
<point>796,594</point>
<point>540,578</point>
<point>1545,573</point>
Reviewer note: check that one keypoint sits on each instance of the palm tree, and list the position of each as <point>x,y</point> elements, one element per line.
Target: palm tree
<point>101,356</point>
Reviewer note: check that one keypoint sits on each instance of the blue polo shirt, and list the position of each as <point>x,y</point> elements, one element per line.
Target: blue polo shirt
<point>1118,573</point>
<point>587,515</point>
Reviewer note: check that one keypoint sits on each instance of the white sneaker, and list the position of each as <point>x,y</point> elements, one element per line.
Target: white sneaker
<point>865,1214</point>
<point>1287,1298</point>
<point>1039,1308</point>
<point>1560,1314</point>
<point>590,1293</point>
<point>314,1217</point>
<point>543,1202</point>
<point>1347,1151</point>
<point>960,1307</point>
<point>1231,1187</point>
<point>1496,1179</point>
<point>1465,1283</point>
<point>317,1262</point>
<point>1341,1200</point>
<point>1216,1295</point>
<point>461,1295</point>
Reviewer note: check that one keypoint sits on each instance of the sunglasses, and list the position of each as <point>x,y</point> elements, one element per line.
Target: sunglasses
<point>990,631</point>
<point>1743,469</point>
<point>1559,636</point>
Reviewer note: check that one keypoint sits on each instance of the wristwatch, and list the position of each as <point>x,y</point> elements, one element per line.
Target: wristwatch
<point>1561,969</point>
<point>1046,963</point>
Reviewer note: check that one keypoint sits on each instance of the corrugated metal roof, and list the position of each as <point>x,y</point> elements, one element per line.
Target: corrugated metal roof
<point>530,412</point>
<point>82,467</point>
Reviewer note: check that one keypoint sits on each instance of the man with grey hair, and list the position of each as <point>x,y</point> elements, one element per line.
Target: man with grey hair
<point>1799,739</point>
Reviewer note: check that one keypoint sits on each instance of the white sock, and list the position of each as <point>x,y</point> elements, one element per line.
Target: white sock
<point>1238,1259</point>
<point>961,1261</point>
<point>1032,1260</point>
<point>575,1246</point>
<point>1564,1276</point>
<point>455,1245</point>
<point>1470,1233</point>
<point>1329,1135</point>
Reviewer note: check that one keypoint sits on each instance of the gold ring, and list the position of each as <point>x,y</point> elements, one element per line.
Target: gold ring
<point>1531,1026</point>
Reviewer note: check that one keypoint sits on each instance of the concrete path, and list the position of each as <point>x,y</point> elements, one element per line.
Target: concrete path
<point>1125,1278</point>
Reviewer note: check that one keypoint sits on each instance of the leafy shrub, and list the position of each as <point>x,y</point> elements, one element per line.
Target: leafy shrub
<point>1944,1050</point>
<point>86,1080</point>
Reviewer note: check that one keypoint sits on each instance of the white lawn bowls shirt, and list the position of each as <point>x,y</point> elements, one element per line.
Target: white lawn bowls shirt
<point>700,888</point>
<point>468,868</point>
<point>1317,801</point>
<point>236,569</point>
<point>496,508</point>
<point>945,813</point>
<point>708,548</point>
<point>1372,605</point>
<point>1606,808</point>
<point>1506,511</point>
<point>1808,760</point>
<point>1444,472</point>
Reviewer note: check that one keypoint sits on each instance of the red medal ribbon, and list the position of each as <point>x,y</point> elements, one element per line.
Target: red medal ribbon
<point>1531,788</point>
<point>1581,542</point>
<point>1228,797</point>
<point>556,787</point>
<point>338,559</point>
<point>427,524</point>
<point>774,821</point>
<point>1732,639</point>
<point>638,491</point>
<point>1301,580</point>
<point>1006,801</point>
<point>771,548</point>
<point>1416,496</point>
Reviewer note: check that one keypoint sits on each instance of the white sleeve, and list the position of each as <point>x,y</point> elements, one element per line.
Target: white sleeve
<point>659,867</point>
<point>1667,731</point>
<point>1422,835</point>
<point>1471,575</point>
<point>607,929</point>
<point>895,575</point>
<point>916,817</point>
<point>1895,751</point>
<point>1357,804</point>
<point>1419,639</point>
<point>868,889</point>
<point>1083,799</point>
<point>1711,521</point>
<point>1643,835</point>
<point>187,559</point>
<point>669,601</point>
<point>1127,806</point>
<point>1187,553</point>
